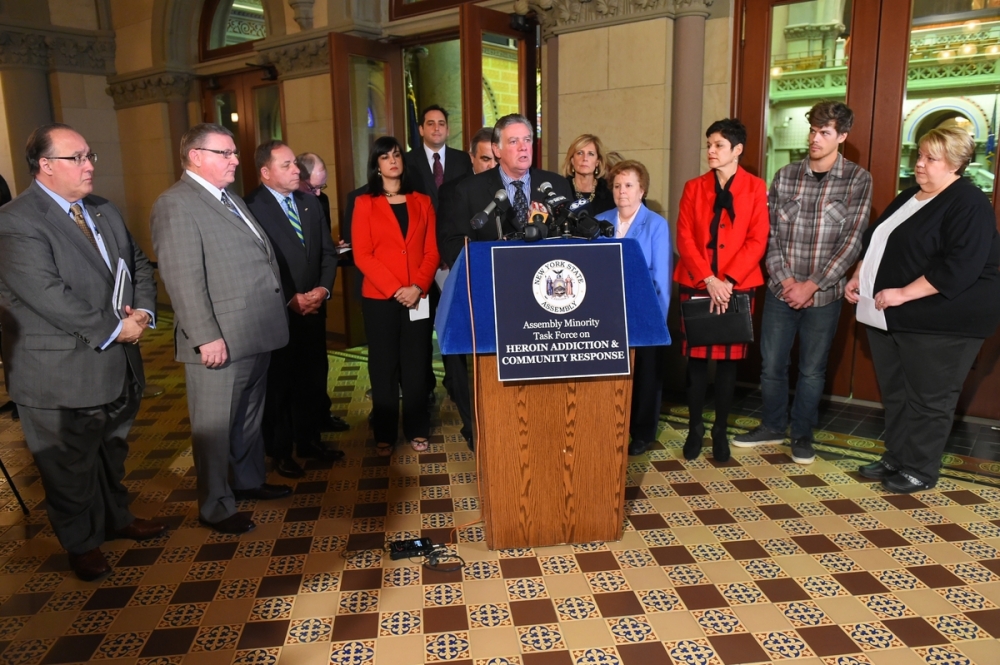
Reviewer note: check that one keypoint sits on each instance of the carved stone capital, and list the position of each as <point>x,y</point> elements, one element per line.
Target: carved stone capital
<point>560,16</point>
<point>814,30</point>
<point>296,59</point>
<point>78,51</point>
<point>693,7</point>
<point>303,12</point>
<point>149,88</point>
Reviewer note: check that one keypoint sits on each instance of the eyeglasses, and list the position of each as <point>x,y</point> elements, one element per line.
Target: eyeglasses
<point>226,154</point>
<point>79,159</point>
<point>317,190</point>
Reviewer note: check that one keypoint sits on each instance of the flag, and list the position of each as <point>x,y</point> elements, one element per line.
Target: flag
<point>991,138</point>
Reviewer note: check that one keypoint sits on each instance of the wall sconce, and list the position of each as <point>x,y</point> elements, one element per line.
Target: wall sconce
<point>235,117</point>
<point>968,49</point>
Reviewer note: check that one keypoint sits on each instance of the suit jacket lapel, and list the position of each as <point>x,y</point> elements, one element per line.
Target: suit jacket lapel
<point>280,217</point>
<point>107,234</point>
<point>224,212</point>
<point>65,225</point>
<point>305,220</point>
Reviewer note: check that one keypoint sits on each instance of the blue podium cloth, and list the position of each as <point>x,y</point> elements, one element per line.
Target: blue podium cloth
<point>645,325</point>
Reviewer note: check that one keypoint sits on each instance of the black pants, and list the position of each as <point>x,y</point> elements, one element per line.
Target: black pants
<point>456,381</point>
<point>921,377</point>
<point>697,388</point>
<point>398,351</point>
<point>647,392</point>
<point>296,387</point>
<point>80,454</point>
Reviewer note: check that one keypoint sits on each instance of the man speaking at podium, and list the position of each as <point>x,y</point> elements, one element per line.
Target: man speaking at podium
<point>513,140</point>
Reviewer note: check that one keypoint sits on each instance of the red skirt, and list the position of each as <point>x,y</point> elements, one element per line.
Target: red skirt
<point>716,351</point>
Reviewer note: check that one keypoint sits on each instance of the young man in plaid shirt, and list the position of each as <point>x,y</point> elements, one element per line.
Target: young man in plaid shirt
<point>819,209</point>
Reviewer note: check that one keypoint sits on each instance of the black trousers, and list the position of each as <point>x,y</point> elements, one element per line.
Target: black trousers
<point>296,387</point>
<point>80,454</point>
<point>398,351</point>
<point>456,381</point>
<point>921,377</point>
<point>647,392</point>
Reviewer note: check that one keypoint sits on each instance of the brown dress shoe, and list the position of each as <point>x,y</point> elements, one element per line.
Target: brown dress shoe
<point>141,529</point>
<point>90,565</point>
<point>235,523</point>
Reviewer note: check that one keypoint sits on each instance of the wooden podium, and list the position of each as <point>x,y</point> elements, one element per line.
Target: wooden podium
<point>551,454</point>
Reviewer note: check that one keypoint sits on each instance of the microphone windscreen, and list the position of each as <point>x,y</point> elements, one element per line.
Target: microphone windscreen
<point>479,220</point>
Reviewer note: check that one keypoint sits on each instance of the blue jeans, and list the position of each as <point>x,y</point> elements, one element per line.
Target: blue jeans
<point>816,327</point>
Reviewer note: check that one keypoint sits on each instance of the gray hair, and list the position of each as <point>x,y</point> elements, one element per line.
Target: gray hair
<point>307,163</point>
<point>508,120</point>
<point>196,137</point>
<point>483,135</point>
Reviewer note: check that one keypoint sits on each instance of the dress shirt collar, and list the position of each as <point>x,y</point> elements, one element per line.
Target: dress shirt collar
<point>63,203</point>
<point>430,155</point>
<point>281,199</point>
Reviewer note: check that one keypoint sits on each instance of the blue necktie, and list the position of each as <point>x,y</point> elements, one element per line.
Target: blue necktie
<point>293,217</point>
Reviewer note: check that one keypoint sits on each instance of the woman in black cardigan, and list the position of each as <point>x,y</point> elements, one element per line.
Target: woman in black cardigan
<point>928,289</point>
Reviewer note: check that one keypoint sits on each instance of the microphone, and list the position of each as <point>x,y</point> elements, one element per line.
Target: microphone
<point>480,219</point>
<point>537,227</point>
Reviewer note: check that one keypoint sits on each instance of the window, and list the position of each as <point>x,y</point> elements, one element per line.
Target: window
<point>229,26</point>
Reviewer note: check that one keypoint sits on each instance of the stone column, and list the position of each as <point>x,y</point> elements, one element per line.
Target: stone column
<point>686,132</point>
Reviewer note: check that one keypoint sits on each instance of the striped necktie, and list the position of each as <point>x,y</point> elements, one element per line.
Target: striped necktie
<point>77,211</point>
<point>293,217</point>
<point>228,202</point>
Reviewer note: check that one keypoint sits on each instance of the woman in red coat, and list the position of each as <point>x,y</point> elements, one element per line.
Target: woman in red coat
<point>722,230</point>
<point>395,248</point>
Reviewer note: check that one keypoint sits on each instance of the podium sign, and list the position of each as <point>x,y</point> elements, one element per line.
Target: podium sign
<point>560,311</point>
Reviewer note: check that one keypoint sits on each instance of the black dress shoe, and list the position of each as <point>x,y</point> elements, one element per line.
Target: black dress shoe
<point>637,447</point>
<point>333,423</point>
<point>289,468</point>
<point>320,452</point>
<point>141,529</point>
<point>877,470</point>
<point>235,523</point>
<point>693,443</point>
<point>263,493</point>
<point>904,483</point>
<point>90,565</point>
<point>720,445</point>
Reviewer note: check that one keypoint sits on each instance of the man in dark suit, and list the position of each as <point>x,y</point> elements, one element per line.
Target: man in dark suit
<point>513,138</point>
<point>312,180</point>
<point>296,377</point>
<point>434,163</point>
<point>229,314</point>
<point>70,358</point>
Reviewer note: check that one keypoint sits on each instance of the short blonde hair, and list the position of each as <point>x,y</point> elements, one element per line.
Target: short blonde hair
<point>952,144</point>
<point>633,166</point>
<point>579,142</point>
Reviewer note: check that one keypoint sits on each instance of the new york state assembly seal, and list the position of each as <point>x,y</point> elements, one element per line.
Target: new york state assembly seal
<point>559,286</point>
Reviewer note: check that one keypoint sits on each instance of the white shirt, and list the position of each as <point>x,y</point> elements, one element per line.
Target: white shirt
<point>430,156</point>
<point>866,312</point>
<point>217,193</point>
<point>623,224</point>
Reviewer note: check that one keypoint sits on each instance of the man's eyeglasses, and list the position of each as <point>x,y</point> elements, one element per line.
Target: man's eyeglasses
<point>79,159</point>
<point>226,154</point>
<point>317,190</point>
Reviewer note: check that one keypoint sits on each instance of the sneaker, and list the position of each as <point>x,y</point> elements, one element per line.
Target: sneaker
<point>802,450</point>
<point>758,436</point>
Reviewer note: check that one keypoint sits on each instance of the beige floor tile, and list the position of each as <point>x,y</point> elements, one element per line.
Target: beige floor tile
<point>484,591</point>
<point>670,626</point>
<point>957,514</point>
<point>326,562</point>
<point>981,652</point>
<point>732,500</point>
<point>297,654</point>
<point>707,475</point>
<point>215,657</point>
<point>320,604</point>
<point>489,642</point>
<point>182,537</point>
<point>796,495</point>
<point>332,527</point>
<point>764,530</point>
<point>896,519</point>
<point>990,590</point>
<point>233,611</point>
<point>477,552</point>
<point>137,619</point>
<point>9,584</point>
<point>761,617</point>
<point>694,535</point>
<point>830,524</point>
<point>631,540</point>
<point>247,567</point>
<point>925,602</point>
<point>670,504</point>
<point>48,624</point>
<point>765,471</point>
<point>563,586</point>
<point>586,633</point>
<point>724,572</point>
<point>859,491</point>
<point>944,552</point>
<point>470,489</point>
<point>401,650</point>
<point>800,565</point>
<point>844,609</point>
<point>404,598</point>
<point>873,559</point>
<point>895,657</point>
<point>166,573</point>
<point>652,577</point>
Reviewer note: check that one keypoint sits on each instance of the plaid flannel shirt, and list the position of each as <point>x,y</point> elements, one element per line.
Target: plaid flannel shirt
<point>816,226</point>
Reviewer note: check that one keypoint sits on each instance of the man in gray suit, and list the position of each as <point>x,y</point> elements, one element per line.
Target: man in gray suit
<point>225,288</point>
<point>70,357</point>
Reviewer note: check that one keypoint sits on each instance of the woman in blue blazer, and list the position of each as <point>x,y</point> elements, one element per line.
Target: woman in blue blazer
<point>632,219</point>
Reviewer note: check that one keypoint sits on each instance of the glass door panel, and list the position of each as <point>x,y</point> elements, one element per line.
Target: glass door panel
<point>368,110</point>
<point>433,76</point>
<point>267,108</point>
<point>952,80</point>
<point>501,92</point>
<point>226,112</point>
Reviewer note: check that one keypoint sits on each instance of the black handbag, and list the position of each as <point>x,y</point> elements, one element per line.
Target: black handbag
<point>705,328</point>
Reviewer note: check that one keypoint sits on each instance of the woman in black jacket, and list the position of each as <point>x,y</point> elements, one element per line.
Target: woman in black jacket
<point>928,290</point>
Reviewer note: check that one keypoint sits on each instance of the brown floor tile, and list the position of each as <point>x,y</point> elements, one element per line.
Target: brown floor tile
<point>435,479</point>
<point>365,541</point>
<point>808,480</point>
<point>347,627</point>
<point>904,501</point>
<point>741,648</point>
<point>618,604</point>
<point>633,493</point>
<point>109,599</point>
<point>673,555</point>
<point>964,497</point>
<point>304,514</point>
<point>843,506</point>
<point>264,634</point>
<point>370,510</point>
<point>689,489</point>
<point>355,580</point>
<point>645,522</point>
<point>170,641</point>
<point>988,620</point>
<point>592,562</point>
<point>860,583</point>
<point>749,485</point>
<point>373,484</point>
<point>745,549</point>
<point>441,576</point>
<point>547,658</point>
<point>436,506</point>
<point>448,619</point>
<point>885,538</point>
<point>992,564</point>
<point>645,653</point>
<point>195,592</point>
<point>779,511</point>
<point>782,590</point>
<point>72,649</point>
<point>29,603</point>
<point>216,552</point>
<point>936,576</point>
<point>715,516</point>
<point>433,458</point>
<point>314,487</point>
<point>532,612</point>
<point>668,465</point>
<point>915,632</point>
<point>701,597</point>
<point>144,556</point>
<point>279,585</point>
<point>828,640</point>
<point>818,544</point>
<point>521,567</point>
<point>437,535</point>
<point>951,532</point>
<point>291,546</point>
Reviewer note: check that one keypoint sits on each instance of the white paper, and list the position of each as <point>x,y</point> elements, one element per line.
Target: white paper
<point>343,249</point>
<point>868,315</point>
<point>422,310</point>
<point>440,276</point>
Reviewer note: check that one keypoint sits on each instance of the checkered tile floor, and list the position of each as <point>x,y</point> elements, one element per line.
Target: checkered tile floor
<point>754,561</point>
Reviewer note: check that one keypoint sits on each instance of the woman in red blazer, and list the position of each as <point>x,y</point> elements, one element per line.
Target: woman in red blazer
<point>395,248</point>
<point>722,230</point>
